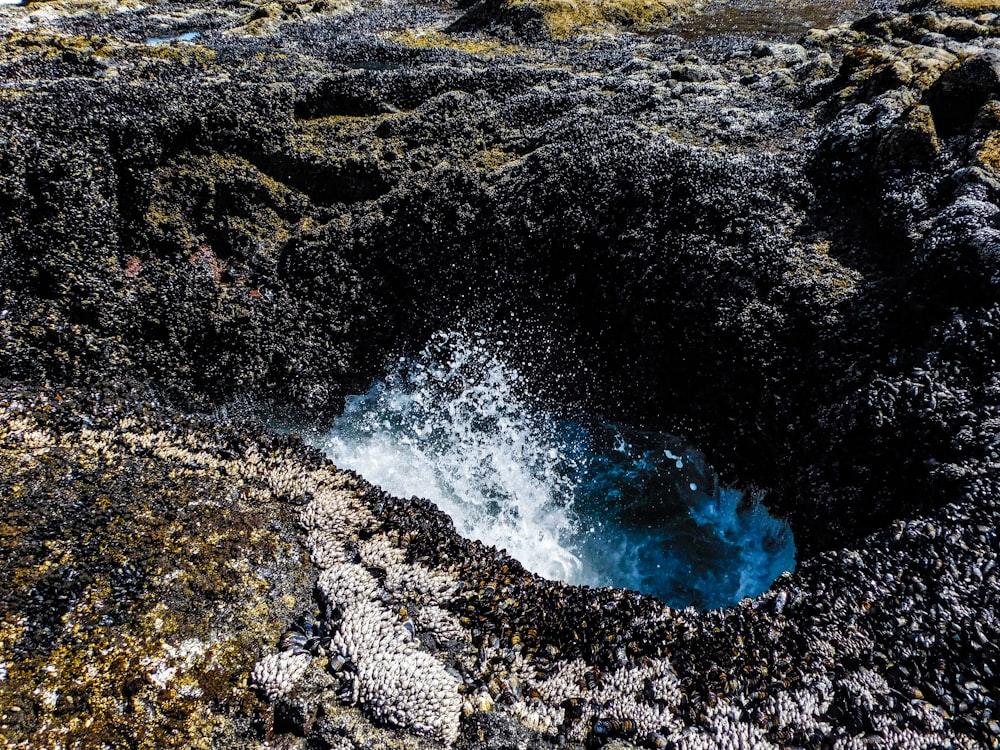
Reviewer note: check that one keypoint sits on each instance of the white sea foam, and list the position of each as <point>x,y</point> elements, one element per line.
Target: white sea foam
<point>599,506</point>
<point>453,427</point>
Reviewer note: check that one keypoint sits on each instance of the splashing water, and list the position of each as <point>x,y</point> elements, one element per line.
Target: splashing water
<point>598,505</point>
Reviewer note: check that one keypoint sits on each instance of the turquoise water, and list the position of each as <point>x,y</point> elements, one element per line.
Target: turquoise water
<point>594,504</point>
<point>187,36</point>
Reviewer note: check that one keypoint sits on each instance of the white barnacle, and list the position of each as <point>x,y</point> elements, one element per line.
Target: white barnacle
<point>394,681</point>
<point>346,583</point>
<point>277,674</point>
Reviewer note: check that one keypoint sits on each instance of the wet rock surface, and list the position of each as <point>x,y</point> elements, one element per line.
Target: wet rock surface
<point>785,247</point>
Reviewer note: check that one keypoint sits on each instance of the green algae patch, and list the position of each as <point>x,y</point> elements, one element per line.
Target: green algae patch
<point>814,272</point>
<point>913,140</point>
<point>50,45</point>
<point>189,55</point>
<point>493,158</point>
<point>148,566</point>
<point>989,153</point>
<point>341,157</point>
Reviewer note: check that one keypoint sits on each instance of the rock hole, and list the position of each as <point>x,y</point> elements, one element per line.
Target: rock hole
<point>575,500</point>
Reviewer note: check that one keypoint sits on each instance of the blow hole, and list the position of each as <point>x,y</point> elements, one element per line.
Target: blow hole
<point>581,501</point>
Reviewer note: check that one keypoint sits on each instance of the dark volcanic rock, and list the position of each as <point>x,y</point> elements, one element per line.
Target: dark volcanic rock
<point>957,95</point>
<point>787,252</point>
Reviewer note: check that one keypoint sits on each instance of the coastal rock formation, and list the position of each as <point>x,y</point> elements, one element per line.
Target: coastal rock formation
<point>786,248</point>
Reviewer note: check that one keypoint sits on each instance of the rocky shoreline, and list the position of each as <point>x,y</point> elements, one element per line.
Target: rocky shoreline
<point>785,248</point>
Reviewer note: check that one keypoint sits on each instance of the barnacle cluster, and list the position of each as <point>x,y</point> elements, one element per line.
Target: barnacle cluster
<point>370,639</point>
<point>276,674</point>
<point>416,646</point>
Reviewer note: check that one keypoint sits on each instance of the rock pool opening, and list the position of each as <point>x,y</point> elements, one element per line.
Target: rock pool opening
<point>594,504</point>
<point>187,36</point>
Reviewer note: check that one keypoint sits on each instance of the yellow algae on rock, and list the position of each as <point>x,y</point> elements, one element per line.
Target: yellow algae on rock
<point>438,39</point>
<point>566,17</point>
<point>989,154</point>
<point>142,573</point>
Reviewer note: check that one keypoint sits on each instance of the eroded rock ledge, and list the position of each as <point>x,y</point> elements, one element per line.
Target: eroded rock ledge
<point>787,249</point>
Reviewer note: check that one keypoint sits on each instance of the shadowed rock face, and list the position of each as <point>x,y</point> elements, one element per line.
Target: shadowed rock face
<point>788,252</point>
